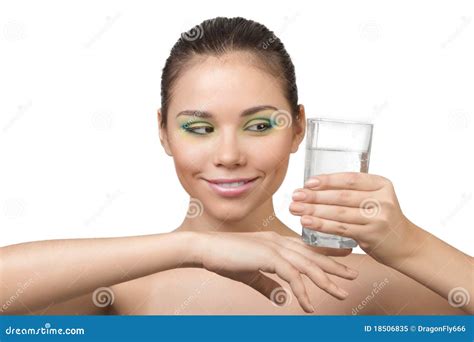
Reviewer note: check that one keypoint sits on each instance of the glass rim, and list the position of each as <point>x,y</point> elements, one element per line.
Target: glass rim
<point>308,120</point>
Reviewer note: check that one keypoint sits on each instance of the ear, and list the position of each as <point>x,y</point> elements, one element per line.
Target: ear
<point>299,129</point>
<point>163,134</point>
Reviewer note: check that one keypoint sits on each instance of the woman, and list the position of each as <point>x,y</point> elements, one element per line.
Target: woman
<point>230,120</point>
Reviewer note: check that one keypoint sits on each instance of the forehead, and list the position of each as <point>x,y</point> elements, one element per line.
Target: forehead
<point>229,83</point>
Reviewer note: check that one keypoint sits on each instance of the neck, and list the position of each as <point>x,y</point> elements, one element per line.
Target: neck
<point>262,218</point>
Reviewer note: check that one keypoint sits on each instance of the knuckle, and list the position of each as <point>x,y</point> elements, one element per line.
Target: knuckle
<point>324,283</point>
<point>342,227</point>
<point>351,179</point>
<point>319,224</point>
<point>308,265</point>
<point>344,196</point>
<point>342,230</point>
<point>294,274</point>
<point>307,217</point>
<point>315,223</point>
<point>272,255</point>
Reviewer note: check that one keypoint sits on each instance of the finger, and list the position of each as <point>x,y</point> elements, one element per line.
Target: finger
<point>273,236</point>
<point>346,198</point>
<point>322,250</point>
<point>314,272</point>
<point>327,264</point>
<point>346,180</point>
<point>286,271</point>
<point>340,252</point>
<point>330,212</point>
<point>333,227</point>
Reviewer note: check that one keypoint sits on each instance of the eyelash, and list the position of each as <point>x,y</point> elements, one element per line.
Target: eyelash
<point>192,129</point>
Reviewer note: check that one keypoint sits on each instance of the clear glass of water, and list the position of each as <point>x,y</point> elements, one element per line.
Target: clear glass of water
<point>335,146</point>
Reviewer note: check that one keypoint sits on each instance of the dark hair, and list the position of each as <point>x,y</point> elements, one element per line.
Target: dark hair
<point>222,35</point>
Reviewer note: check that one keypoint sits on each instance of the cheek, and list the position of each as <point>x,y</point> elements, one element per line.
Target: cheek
<point>270,153</point>
<point>189,157</point>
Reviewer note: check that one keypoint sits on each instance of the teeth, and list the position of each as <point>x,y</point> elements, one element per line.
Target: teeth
<point>231,185</point>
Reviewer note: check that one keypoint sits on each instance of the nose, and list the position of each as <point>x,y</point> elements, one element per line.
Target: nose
<point>228,151</point>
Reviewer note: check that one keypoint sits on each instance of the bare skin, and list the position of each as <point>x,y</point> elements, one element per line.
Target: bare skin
<point>222,262</point>
<point>199,291</point>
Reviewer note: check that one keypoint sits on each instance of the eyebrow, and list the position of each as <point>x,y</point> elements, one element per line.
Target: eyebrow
<point>246,112</point>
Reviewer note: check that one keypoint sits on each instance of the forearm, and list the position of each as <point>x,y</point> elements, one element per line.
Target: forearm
<point>58,270</point>
<point>440,267</point>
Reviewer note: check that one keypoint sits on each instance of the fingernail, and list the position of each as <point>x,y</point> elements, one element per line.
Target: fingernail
<point>313,182</point>
<point>312,308</point>
<point>306,220</point>
<point>299,195</point>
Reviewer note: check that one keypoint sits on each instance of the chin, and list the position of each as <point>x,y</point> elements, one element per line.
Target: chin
<point>230,212</point>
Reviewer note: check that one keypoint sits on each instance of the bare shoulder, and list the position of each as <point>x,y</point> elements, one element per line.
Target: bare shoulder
<point>378,290</point>
<point>381,290</point>
<point>81,305</point>
<point>161,293</point>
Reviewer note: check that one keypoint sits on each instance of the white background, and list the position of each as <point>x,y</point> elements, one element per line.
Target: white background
<point>80,86</point>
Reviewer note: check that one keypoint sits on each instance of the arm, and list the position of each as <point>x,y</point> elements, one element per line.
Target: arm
<point>36,274</point>
<point>440,267</point>
<point>60,270</point>
<point>365,208</point>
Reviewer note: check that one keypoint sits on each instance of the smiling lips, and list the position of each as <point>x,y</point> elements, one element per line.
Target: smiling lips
<point>231,187</point>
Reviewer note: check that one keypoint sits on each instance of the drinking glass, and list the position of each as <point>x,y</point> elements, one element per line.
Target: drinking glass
<point>335,146</point>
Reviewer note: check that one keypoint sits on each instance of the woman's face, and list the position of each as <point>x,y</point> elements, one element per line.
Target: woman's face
<point>227,120</point>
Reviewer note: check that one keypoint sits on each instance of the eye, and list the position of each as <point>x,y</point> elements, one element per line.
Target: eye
<point>200,130</point>
<point>259,127</point>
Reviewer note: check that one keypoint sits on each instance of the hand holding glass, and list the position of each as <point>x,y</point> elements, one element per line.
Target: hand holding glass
<point>335,146</point>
